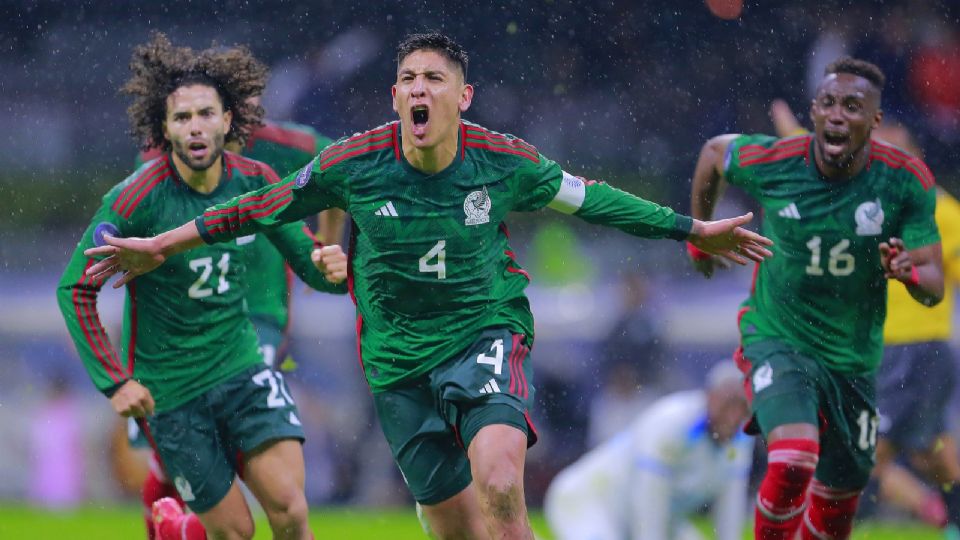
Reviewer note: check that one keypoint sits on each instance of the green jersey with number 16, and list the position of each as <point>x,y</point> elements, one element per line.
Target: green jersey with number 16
<point>823,292</point>
<point>431,266</point>
<point>185,325</point>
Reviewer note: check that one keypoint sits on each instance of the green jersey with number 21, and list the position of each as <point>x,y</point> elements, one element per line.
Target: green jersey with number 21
<point>185,325</point>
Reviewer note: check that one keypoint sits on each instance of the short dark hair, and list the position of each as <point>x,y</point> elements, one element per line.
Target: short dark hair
<point>158,69</point>
<point>434,41</point>
<point>860,68</point>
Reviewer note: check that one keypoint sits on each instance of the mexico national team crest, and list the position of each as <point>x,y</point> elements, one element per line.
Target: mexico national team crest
<point>477,207</point>
<point>869,217</point>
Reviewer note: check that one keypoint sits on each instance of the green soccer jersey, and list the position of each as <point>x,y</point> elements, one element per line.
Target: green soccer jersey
<point>431,266</point>
<point>185,326</point>
<point>823,291</point>
<point>285,147</point>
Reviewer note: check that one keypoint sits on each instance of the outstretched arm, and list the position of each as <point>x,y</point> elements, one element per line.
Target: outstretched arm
<point>726,238</point>
<point>921,269</point>
<point>136,256</point>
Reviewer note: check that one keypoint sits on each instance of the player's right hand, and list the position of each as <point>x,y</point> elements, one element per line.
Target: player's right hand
<point>132,256</point>
<point>726,239</point>
<point>132,399</point>
<point>332,261</point>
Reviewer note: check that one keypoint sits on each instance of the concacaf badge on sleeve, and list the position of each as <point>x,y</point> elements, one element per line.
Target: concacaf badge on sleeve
<point>304,175</point>
<point>104,228</point>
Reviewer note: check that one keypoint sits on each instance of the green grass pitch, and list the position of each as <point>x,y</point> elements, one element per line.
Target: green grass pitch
<point>124,523</point>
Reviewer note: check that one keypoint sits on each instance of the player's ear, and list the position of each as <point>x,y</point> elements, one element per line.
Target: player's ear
<point>813,105</point>
<point>877,119</point>
<point>227,121</point>
<point>466,97</point>
<point>393,94</point>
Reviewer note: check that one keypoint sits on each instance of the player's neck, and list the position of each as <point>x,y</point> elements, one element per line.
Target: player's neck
<point>204,181</point>
<point>835,172</point>
<point>433,159</point>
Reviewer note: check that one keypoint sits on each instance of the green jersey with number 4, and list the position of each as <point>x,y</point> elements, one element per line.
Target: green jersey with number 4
<point>185,325</point>
<point>823,291</point>
<point>431,267</point>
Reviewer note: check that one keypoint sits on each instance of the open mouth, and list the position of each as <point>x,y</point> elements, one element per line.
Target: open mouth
<point>835,142</point>
<point>197,149</point>
<point>420,115</point>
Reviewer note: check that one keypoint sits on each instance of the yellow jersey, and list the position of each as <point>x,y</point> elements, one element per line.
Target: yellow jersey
<point>909,321</point>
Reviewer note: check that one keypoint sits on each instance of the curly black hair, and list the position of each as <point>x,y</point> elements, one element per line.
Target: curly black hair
<point>158,69</point>
<point>434,41</point>
<point>860,68</point>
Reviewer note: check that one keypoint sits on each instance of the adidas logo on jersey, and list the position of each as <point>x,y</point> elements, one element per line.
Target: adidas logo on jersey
<point>490,388</point>
<point>387,210</point>
<point>790,212</point>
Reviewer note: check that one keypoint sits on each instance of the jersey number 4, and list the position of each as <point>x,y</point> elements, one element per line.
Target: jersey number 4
<point>840,263</point>
<point>204,265</point>
<point>438,252</point>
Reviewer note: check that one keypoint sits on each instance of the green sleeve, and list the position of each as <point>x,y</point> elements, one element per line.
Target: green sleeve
<point>301,194</point>
<point>295,243</point>
<point>919,223</point>
<point>739,169</point>
<point>77,299</point>
<point>546,184</point>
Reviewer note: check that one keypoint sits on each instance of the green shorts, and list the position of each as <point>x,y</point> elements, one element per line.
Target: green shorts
<point>789,387</point>
<point>203,443</point>
<point>429,422</point>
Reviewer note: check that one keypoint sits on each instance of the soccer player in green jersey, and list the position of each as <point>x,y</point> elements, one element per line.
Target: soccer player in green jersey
<point>189,363</point>
<point>443,324</point>
<point>285,147</point>
<point>846,214</point>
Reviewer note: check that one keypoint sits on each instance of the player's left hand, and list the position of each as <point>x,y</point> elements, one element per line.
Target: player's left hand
<point>132,256</point>
<point>895,260</point>
<point>726,238</point>
<point>332,261</point>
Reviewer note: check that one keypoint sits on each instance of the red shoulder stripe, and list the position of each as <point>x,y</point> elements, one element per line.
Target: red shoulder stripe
<point>356,138</point>
<point>143,193</point>
<point>891,150</point>
<point>475,137</point>
<point>922,172</point>
<point>484,146</point>
<point>475,130</point>
<point>251,167</point>
<point>264,209</point>
<point>246,206</point>
<point>751,151</point>
<point>896,159</point>
<point>771,157</point>
<point>146,176</point>
<point>334,152</point>
<point>363,150</point>
<point>504,143</point>
<point>276,133</point>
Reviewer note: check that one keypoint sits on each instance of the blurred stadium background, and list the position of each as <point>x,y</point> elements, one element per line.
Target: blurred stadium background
<point>622,90</point>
